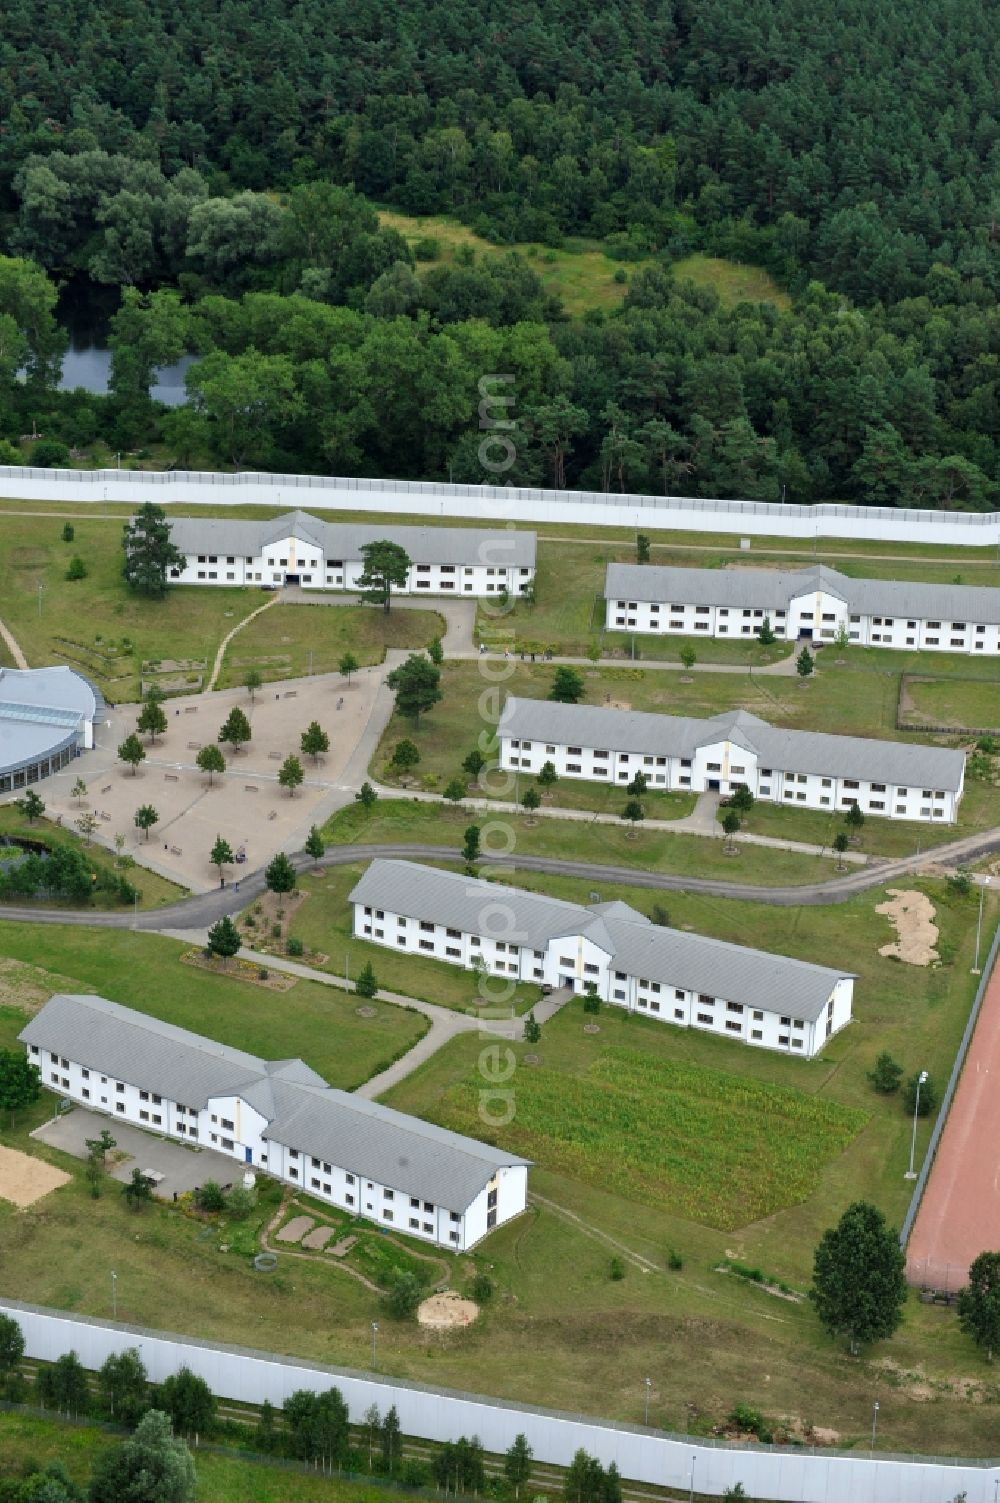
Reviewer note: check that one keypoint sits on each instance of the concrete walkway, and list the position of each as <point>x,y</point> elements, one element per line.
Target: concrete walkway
<point>13,647</point>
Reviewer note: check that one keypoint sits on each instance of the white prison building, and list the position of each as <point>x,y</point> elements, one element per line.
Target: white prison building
<point>769,1001</point>
<point>810,603</point>
<point>300,549</point>
<point>278,1116</point>
<point>892,779</point>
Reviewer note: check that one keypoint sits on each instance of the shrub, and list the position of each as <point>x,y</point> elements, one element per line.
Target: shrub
<point>674,1260</point>
<point>209,1197</point>
<point>751,1421</point>
<point>482,1287</point>
<point>263,973</point>
<point>427,248</point>
<point>240,1201</point>
<point>616,1270</point>
<point>886,1074</point>
<point>295,946</point>
<point>404,1296</point>
<point>275,931</point>
<point>414,1473</point>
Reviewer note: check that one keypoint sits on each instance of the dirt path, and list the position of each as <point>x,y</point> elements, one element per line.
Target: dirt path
<point>636,1259</point>
<point>13,647</point>
<point>287,1252</point>
<point>220,655</point>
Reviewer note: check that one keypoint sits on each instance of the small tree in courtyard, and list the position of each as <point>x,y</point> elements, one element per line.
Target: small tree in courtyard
<point>290,774</point>
<point>405,757</point>
<point>886,1074</point>
<point>455,790</point>
<point>855,820</point>
<point>366,797</point>
<point>79,791</point>
<point>235,731</point>
<point>840,843</point>
<point>471,850</point>
<point>87,825</point>
<point>632,813</point>
<point>314,742</point>
<point>641,548</point>
<point>547,777</point>
<point>417,686</point>
<point>348,664</point>
<point>132,752</point>
<point>531,799</point>
<point>730,828</point>
<point>221,855</point>
<point>138,1191</point>
<point>31,806</point>
<point>804,664</point>
<point>688,658</point>
<point>210,760</point>
<point>315,844</point>
<point>638,785</point>
<point>145,818</point>
<point>567,687</point>
<point>766,636</point>
<point>367,982</point>
<point>252,680</point>
<point>152,721</point>
<point>474,763</point>
<point>279,874</point>
<point>386,567</point>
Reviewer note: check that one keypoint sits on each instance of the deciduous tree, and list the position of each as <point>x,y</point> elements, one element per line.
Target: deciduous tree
<point>859,1284</point>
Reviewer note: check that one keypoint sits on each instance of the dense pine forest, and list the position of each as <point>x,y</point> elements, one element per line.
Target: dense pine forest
<point>215,169</point>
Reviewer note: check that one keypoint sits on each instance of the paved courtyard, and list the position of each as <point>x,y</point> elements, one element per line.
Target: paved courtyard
<point>181,1168</point>
<point>245,804</point>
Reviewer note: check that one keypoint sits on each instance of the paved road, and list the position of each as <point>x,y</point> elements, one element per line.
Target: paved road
<point>203,909</point>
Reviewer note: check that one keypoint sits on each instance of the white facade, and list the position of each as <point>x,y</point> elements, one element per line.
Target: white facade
<point>813,605</point>
<point>229,1124</point>
<point>300,549</point>
<point>615,949</point>
<point>799,768</point>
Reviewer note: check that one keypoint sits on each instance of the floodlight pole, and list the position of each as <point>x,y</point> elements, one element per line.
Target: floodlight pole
<point>921,1080</point>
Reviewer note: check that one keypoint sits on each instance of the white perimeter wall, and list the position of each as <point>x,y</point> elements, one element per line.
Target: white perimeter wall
<point>441,1414</point>
<point>494,504</point>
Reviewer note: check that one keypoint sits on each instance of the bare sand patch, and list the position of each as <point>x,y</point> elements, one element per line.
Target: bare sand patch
<point>444,1312</point>
<point>24,1179</point>
<point>24,985</point>
<point>911,913</point>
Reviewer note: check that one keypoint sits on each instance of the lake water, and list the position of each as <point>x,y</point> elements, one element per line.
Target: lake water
<point>87,363</point>
<point>85,310</point>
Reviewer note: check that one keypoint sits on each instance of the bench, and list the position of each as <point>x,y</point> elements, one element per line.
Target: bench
<point>170,777</point>
<point>175,850</point>
<point>250,788</point>
<point>291,693</point>
<point>106,788</point>
<point>190,709</point>
<point>275,757</point>
<point>194,746</point>
<point>273,814</point>
<point>106,817</point>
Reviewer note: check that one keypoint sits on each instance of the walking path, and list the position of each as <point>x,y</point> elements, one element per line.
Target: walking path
<point>446,1024</point>
<point>221,653</point>
<point>13,647</point>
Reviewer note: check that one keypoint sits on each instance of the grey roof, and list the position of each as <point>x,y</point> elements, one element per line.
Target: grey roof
<point>500,547</point>
<point>794,988</point>
<point>43,710</point>
<point>301,1110</point>
<point>774,589</point>
<point>903,763</point>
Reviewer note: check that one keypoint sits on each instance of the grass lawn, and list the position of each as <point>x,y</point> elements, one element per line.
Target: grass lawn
<point>26,1439</point>
<point>289,641</point>
<point>153,889</point>
<point>95,624</point>
<point>952,702</point>
<point>559,1331</point>
<point>732,281</point>
<point>144,971</point>
<point>406,821</point>
<point>324,923</point>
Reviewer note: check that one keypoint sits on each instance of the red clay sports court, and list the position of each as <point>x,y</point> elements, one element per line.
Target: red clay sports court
<point>959,1215</point>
